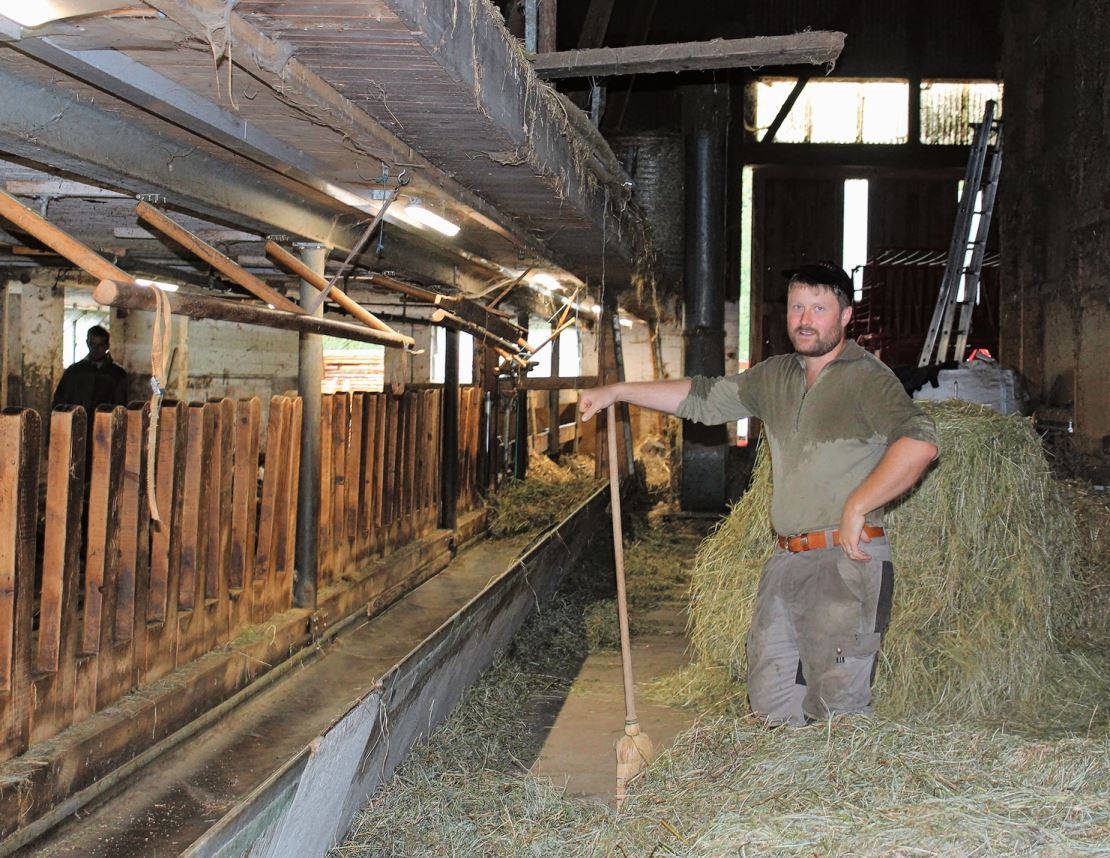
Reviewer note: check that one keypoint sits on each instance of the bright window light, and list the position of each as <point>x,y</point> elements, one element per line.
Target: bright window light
<point>158,284</point>
<point>439,356</point>
<point>835,111</point>
<point>431,220</point>
<point>855,232</point>
<point>32,13</point>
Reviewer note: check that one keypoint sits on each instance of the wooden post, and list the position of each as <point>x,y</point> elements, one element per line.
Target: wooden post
<point>20,446</point>
<point>55,662</point>
<point>553,442</point>
<point>41,320</point>
<point>309,383</point>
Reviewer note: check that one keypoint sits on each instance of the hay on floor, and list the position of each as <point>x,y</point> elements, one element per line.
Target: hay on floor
<point>985,557</point>
<point>542,500</point>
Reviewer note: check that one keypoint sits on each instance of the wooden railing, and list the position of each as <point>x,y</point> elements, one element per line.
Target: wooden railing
<point>97,599</point>
<point>103,600</point>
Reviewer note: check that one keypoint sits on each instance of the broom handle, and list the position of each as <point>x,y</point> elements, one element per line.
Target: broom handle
<point>618,556</point>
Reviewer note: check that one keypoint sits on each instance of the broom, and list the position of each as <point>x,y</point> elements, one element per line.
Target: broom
<point>634,748</point>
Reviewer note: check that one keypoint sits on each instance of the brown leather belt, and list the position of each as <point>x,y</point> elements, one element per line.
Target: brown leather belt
<point>821,539</point>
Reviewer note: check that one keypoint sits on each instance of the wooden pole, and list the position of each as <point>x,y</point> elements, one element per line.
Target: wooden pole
<point>114,294</point>
<point>60,241</point>
<point>450,320</point>
<point>213,257</point>
<point>293,265</point>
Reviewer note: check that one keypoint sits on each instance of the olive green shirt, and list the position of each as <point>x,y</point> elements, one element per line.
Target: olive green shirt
<point>825,440</point>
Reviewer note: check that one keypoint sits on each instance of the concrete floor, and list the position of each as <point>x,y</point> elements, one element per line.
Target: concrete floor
<point>579,750</point>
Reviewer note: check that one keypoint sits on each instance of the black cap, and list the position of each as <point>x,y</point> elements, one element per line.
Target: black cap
<point>821,274</point>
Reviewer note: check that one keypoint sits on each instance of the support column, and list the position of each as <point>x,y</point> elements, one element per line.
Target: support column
<point>449,433</point>
<point>42,315</point>
<point>520,450</point>
<point>705,448</point>
<point>309,381</point>
<point>553,444</point>
<point>11,362</point>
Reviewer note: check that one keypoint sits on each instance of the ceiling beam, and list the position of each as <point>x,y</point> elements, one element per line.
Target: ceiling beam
<point>46,126</point>
<point>816,48</point>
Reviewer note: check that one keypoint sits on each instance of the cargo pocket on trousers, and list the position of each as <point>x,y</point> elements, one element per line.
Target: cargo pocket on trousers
<point>862,645</point>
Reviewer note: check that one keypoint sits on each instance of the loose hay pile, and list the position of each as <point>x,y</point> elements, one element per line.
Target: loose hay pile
<point>729,786</point>
<point>985,553</point>
<point>542,500</point>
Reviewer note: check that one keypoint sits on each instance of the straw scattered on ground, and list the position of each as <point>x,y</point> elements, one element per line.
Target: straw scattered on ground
<point>730,786</point>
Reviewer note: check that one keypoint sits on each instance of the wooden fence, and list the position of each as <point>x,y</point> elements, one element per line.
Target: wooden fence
<point>97,599</point>
<point>102,599</point>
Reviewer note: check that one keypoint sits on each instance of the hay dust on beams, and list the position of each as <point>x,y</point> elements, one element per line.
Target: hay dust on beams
<point>988,586</point>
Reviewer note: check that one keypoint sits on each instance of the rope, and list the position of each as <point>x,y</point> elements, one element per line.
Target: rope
<point>159,346</point>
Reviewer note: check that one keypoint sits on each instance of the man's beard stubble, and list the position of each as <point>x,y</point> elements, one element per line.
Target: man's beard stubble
<point>817,347</point>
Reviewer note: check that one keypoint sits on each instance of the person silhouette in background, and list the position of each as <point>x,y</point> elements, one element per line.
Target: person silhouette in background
<point>95,379</point>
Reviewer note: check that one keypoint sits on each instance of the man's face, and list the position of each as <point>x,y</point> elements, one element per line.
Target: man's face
<point>814,320</point>
<point>98,347</point>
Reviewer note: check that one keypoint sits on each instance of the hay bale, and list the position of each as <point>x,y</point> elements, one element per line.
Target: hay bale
<point>541,501</point>
<point>984,555</point>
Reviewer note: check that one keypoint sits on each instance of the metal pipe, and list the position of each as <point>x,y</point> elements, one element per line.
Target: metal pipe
<point>449,435</point>
<point>310,379</point>
<point>213,257</point>
<point>128,295</point>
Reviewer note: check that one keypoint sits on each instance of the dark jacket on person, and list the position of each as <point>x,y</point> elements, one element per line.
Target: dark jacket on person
<point>89,384</point>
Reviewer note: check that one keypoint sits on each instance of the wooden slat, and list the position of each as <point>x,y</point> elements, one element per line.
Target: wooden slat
<point>20,451</point>
<point>248,421</point>
<point>134,540</point>
<point>293,491</point>
<point>9,540</point>
<point>52,693</point>
<point>325,552</point>
<point>133,520</point>
<point>411,464</point>
<point>62,530</point>
<point>265,543</point>
<point>389,466</point>
<point>369,458</point>
<point>220,533</point>
<point>381,438</point>
<point>354,472</point>
<point>112,663</point>
<point>102,546</point>
<point>340,416</point>
<point>278,581</point>
<point>191,554</point>
<point>160,655</point>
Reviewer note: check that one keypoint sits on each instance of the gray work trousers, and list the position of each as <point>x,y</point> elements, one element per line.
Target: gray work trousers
<point>816,628</point>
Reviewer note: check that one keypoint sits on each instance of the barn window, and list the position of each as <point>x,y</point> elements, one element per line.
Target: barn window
<point>835,111</point>
<point>439,353</point>
<point>949,107</point>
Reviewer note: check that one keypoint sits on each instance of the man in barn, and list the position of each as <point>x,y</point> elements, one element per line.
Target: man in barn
<point>95,379</point>
<point>845,440</point>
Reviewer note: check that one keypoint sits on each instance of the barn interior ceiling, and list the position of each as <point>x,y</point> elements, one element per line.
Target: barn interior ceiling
<point>258,119</point>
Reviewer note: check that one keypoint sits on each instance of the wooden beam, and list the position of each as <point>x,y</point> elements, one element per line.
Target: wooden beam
<point>293,265</point>
<point>450,320</point>
<point>213,257</point>
<point>816,48</point>
<point>572,382</point>
<point>784,111</point>
<point>114,294</point>
<point>59,241</point>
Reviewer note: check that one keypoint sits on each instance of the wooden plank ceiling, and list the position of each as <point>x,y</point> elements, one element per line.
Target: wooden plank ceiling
<point>277,117</point>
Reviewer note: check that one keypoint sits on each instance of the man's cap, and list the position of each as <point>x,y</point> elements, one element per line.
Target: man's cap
<point>821,274</point>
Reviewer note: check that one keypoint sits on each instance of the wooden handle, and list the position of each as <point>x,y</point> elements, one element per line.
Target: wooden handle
<point>618,557</point>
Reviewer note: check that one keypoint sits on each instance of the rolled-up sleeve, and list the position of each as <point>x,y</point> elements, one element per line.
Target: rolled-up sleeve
<point>714,400</point>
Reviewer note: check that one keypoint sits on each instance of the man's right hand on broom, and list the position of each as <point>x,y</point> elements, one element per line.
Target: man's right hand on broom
<point>662,396</point>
